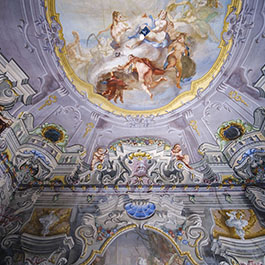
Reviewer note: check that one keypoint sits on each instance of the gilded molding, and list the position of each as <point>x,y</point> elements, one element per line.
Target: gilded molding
<point>85,88</point>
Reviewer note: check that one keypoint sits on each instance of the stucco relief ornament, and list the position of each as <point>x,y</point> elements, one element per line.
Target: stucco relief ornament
<point>232,27</point>
<point>49,34</point>
<point>27,201</point>
<point>55,258</point>
<point>32,164</point>
<point>139,121</point>
<point>139,163</point>
<point>47,221</point>
<point>237,223</point>
<point>251,165</point>
<point>7,96</point>
<point>257,197</point>
<point>13,219</point>
<point>86,232</point>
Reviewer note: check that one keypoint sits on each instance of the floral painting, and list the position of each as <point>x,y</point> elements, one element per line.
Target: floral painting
<point>140,55</point>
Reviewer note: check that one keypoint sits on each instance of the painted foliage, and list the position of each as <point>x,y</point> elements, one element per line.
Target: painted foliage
<point>141,55</point>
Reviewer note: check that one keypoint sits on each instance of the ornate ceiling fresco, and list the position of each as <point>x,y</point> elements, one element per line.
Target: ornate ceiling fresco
<point>167,40</point>
<point>132,132</point>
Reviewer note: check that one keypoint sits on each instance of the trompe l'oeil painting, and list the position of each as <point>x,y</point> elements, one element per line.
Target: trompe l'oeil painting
<point>140,55</point>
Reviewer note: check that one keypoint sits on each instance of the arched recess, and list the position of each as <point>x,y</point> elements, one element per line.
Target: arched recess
<point>140,246</point>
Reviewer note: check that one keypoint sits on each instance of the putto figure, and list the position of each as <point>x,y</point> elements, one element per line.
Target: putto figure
<point>99,156</point>
<point>176,153</point>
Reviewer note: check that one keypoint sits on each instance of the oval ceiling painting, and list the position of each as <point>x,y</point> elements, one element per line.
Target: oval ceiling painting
<point>142,56</point>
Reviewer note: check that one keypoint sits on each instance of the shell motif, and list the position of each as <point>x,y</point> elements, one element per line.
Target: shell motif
<point>139,209</point>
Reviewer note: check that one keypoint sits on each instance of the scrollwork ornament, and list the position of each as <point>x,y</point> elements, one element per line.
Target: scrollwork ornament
<point>107,172</point>
<point>116,217</point>
<point>27,203</point>
<point>232,27</point>
<point>9,240</point>
<point>2,144</point>
<point>195,231</point>
<point>87,232</point>
<point>8,260</point>
<point>62,261</point>
<point>257,197</point>
<point>251,165</point>
<point>49,34</point>
<point>139,121</point>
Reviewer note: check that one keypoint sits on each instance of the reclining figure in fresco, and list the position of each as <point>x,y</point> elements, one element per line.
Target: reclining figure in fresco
<point>145,70</point>
<point>75,53</point>
<point>196,18</point>
<point>155,35</point>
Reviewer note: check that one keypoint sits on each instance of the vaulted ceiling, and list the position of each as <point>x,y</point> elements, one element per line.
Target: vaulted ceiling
<point>117,96</point>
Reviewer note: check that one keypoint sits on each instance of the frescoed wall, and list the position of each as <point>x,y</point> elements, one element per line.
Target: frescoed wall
<point>132,132</point>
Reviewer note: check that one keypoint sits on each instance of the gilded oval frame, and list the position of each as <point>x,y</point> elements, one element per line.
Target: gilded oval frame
<point>86,89</point>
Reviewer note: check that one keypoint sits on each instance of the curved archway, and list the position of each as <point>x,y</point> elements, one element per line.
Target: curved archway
<point>137,246</point>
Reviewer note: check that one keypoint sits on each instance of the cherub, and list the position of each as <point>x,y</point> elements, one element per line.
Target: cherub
<point>176,153</point>
<point>176,50</point>
<point>98,156</point>
<point>145,70</point>
<point>117,28</point>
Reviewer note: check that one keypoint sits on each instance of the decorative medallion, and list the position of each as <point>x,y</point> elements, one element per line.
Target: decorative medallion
<point>232,130</point>
<point>132,58</point>
<point>52,133</point>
